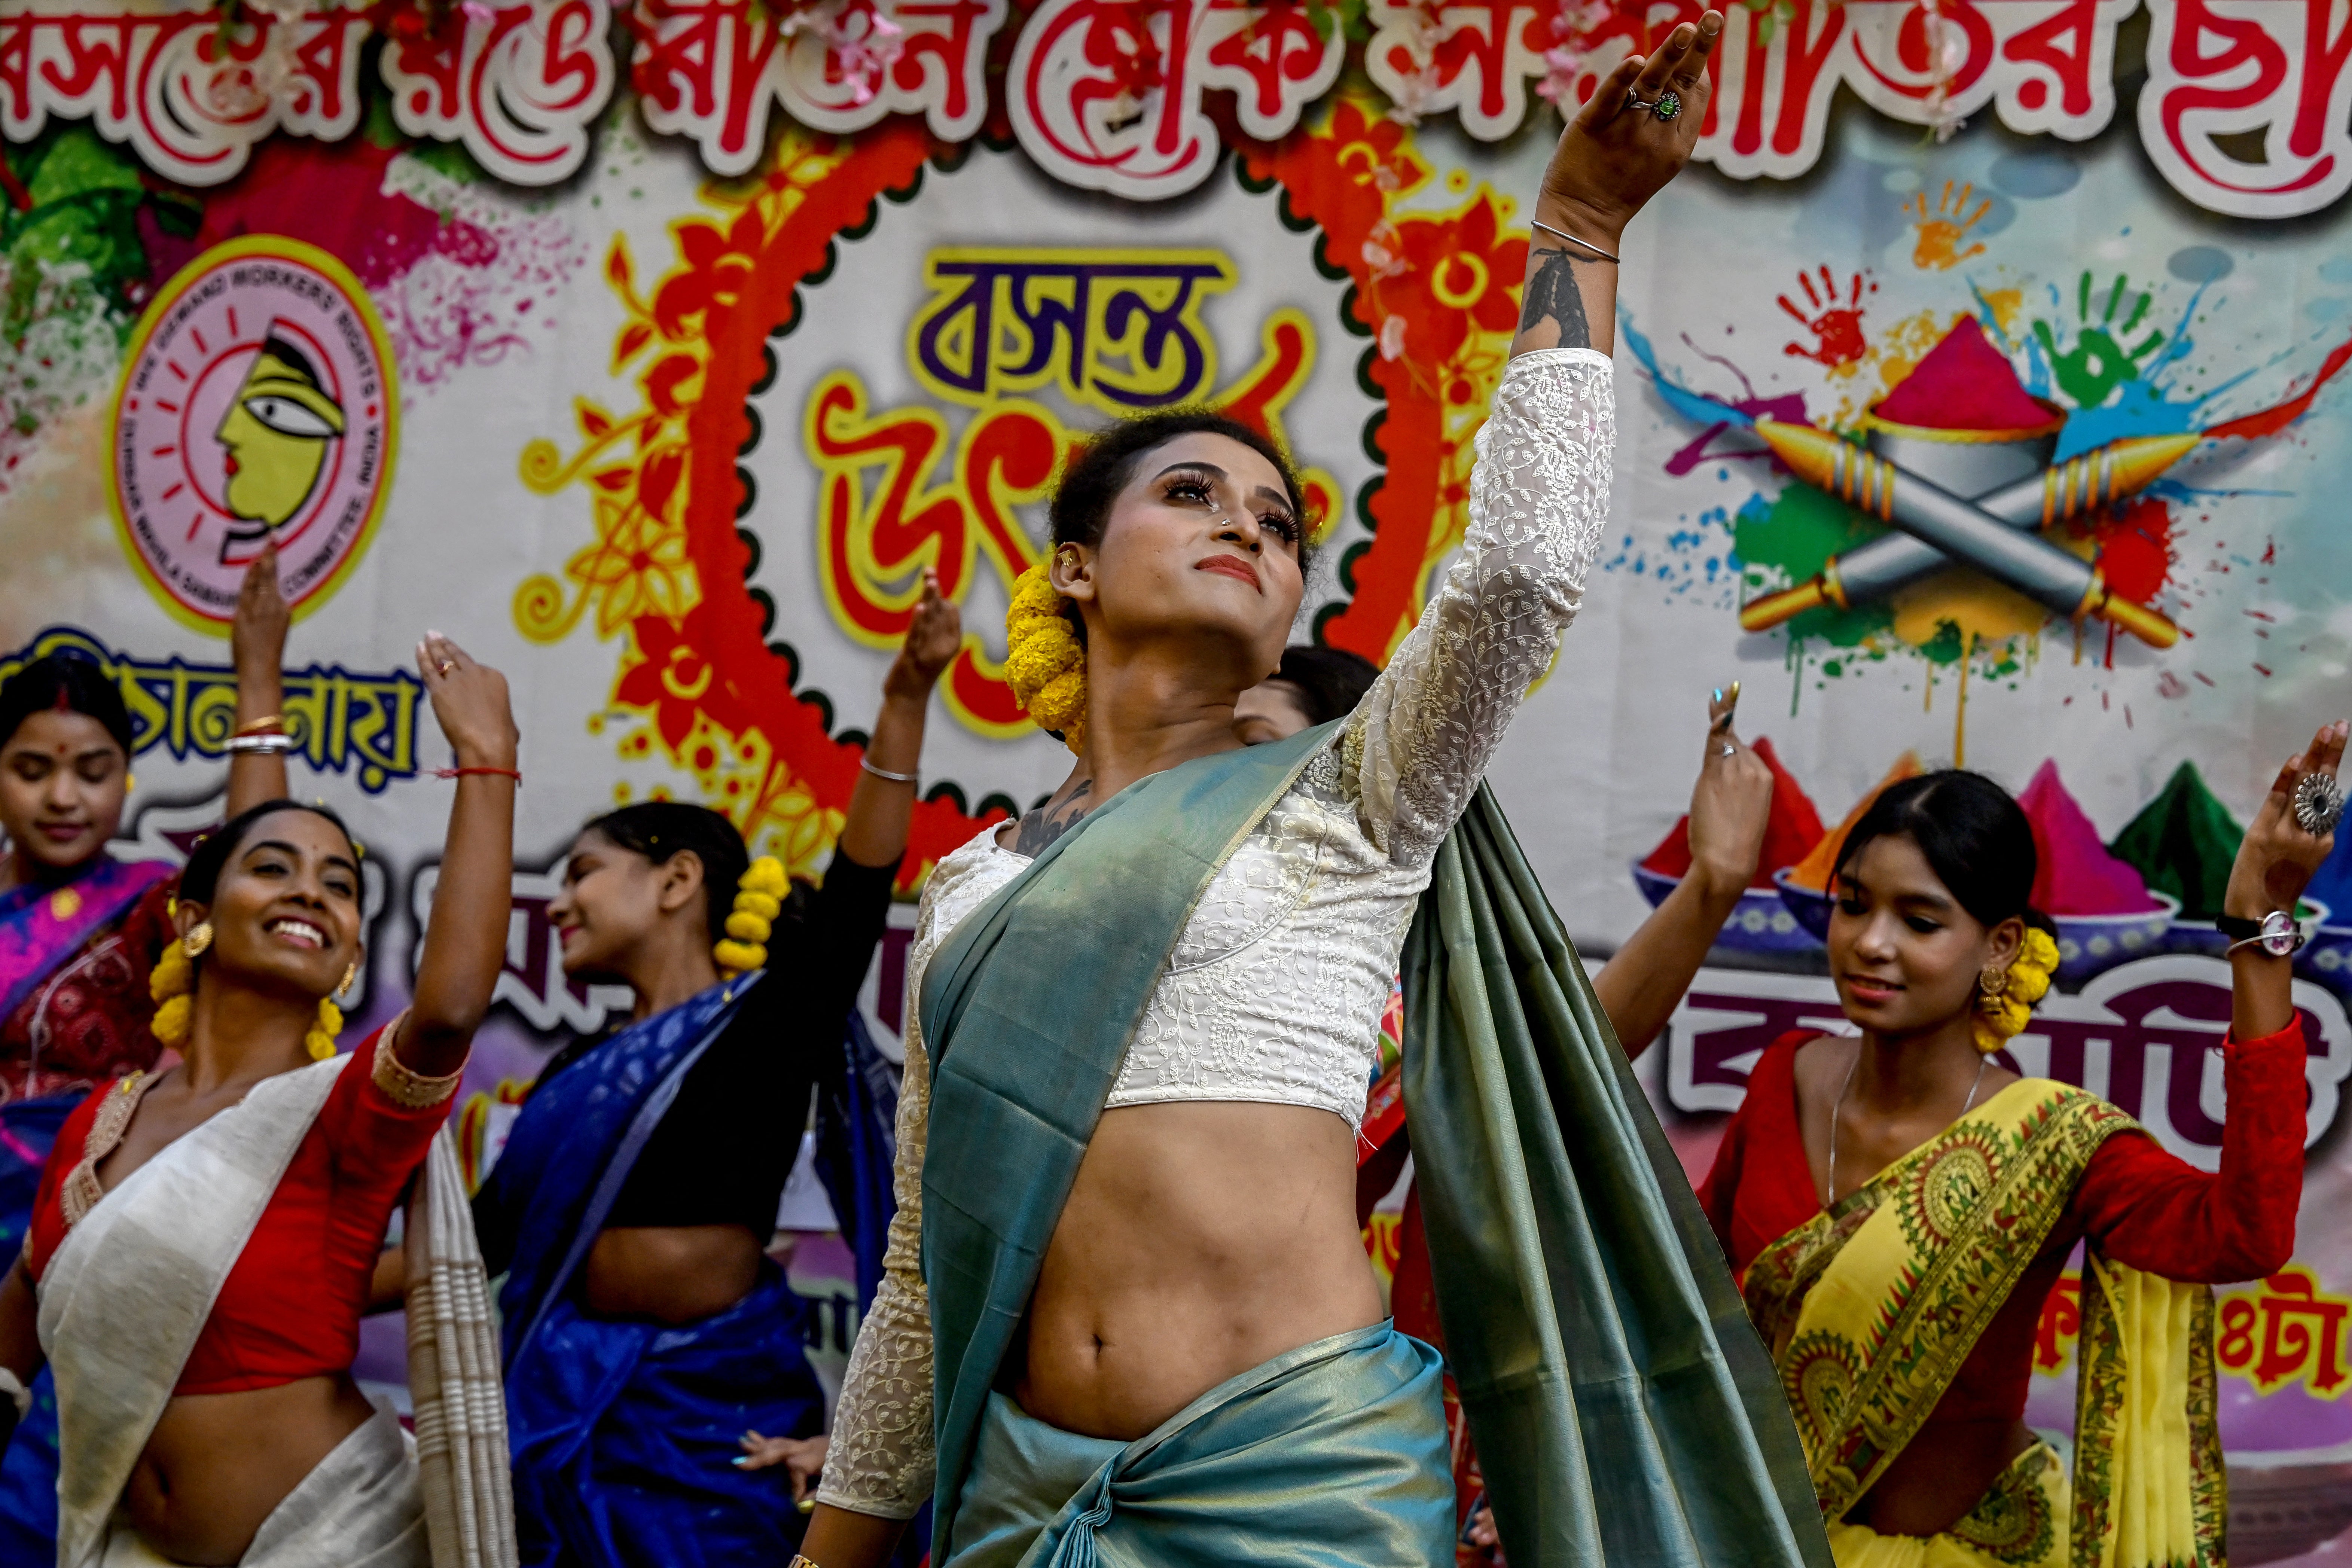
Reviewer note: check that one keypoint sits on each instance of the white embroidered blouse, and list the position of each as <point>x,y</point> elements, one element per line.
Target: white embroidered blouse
<point>1275,989</point>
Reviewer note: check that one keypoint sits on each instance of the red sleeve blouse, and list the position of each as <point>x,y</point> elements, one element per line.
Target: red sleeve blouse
<point>2144,1207</point>
<point>291,1305</point>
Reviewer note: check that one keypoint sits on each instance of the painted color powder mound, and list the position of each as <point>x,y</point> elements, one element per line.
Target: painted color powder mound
<point>2183,843</point>
<point>1789,834</point>
<point>1964,383</point>
<point>1815,870</point>
<point>2077,876</point>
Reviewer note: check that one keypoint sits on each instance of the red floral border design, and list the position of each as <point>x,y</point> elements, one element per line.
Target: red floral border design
<point>1436,291</point>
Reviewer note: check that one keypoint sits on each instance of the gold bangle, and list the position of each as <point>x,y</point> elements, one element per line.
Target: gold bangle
<point>409,1090</point>
<point>800,1562</point>
<point>268,724</point>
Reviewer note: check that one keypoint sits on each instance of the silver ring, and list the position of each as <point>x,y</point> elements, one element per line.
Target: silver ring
<point>1727,751</point>
<point>2318,804</point>
<point>1665,105</point>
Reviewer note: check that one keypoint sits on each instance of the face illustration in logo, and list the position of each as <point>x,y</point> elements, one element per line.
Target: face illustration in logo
<point>275,434</point>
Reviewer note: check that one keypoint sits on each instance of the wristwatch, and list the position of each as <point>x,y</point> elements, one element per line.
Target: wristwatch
<point>2275,933</point>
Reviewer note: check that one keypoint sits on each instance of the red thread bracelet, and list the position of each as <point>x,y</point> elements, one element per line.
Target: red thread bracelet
<point>461,773</point>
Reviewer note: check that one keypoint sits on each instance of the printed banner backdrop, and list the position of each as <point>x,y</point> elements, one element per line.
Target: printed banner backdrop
<point>658,396</point>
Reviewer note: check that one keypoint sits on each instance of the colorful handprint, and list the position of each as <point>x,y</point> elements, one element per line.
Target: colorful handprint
<point>1835,323</point>
<point>2089,371</point>
<point>1942,227</point>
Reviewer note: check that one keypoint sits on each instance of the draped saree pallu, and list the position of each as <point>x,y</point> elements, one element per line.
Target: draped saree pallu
<point>1873,1306</point>
<point>128,1292</point>
<point>624,1430</point>
<point>1335,1452</point>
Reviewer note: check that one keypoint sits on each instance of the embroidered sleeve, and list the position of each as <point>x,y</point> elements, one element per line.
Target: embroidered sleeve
<point>881,1461</point>
<point>1420,742</point>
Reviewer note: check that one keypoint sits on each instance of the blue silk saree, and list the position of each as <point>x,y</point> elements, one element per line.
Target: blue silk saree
<point>1600,1346</point>
<point>625,1432</point>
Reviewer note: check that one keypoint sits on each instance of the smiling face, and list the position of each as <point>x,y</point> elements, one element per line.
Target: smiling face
<point>1202,548</point>
<point>62,779</point>
<point>1904,953</point>
<point>614,900</point>
<point>286,910</point>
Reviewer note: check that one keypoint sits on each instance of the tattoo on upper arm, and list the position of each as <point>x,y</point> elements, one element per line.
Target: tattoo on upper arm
<point>1050,821</point>
<point>1552,295</point>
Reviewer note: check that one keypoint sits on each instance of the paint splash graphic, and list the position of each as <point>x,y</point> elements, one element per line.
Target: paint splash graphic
<point>73,275</point>
<point>2111,357</point>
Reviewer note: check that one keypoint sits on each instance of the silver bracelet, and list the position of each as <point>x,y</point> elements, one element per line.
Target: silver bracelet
<point>1584,243</point>
<point>2280,936</point>
<point>266,744</point>
<point>887,773</point>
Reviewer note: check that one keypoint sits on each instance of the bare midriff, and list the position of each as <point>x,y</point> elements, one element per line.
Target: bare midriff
<point>1200,1240</point>
<point>1940,1475</point>
<point>672,1274</point>
<point>218,1464</point>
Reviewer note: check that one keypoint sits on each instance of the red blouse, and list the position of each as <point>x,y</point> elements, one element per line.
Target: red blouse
<point>291,1307</point>
<point>2145,1208</point>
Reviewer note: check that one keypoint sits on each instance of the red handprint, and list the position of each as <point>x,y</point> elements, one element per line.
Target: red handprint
<point>1836,326</point>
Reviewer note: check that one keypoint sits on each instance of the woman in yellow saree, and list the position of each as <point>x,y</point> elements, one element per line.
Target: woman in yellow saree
<point>1900,1205</point>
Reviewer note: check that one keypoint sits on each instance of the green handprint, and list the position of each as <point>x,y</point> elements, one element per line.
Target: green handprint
<point>2089,373</point>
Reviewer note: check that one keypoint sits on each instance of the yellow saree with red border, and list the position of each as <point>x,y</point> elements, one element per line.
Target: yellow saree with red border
<point>1872,1306</point>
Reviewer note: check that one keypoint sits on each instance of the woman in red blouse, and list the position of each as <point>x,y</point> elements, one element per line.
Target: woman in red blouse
<point>1900,1204</point>
<point>206,1239</point>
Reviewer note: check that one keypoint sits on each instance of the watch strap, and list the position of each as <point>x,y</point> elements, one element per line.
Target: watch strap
<point>2237,928</point>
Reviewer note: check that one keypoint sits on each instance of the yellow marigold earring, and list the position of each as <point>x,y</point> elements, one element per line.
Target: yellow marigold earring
<point>2005,996</point>
<point>173,984</point>
<point>1045,663</point>
<point>321,1041</point>
<point>759,899</point>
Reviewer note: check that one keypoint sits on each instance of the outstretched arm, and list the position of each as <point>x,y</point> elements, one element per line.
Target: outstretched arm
<point>256,643</point>
<point>1643,983</point>
<point>1611,158</point>
<point>2275,862</point>
<point>875,833</point>
<point>466,939</point>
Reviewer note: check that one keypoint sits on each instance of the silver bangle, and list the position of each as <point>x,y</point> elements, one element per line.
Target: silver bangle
<point>1584,243</point>
<point>266,744</point>
<point>887,773</point>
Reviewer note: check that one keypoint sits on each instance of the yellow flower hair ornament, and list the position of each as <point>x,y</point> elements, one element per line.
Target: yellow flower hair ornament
<point>2005,1008</point>
<point>1045,663</point>
<point>759,899</point>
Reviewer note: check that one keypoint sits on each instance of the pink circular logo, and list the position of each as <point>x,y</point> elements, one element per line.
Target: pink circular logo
<point>257,405</point>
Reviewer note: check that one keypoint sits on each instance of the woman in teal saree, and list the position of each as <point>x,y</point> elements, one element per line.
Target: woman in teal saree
<point>1128,1318</point>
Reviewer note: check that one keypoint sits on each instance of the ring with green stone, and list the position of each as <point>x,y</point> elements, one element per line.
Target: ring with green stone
<point>1669,104</point>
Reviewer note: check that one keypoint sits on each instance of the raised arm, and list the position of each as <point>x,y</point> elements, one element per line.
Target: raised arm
<point>1611,159</point>
<point>1644,981</point>
<point>1420,740</point>
<point>2275,862</point>
<point>2151,1211</point>
<point>257,645</point>
<point>881,808</point>
<point>466,939</point>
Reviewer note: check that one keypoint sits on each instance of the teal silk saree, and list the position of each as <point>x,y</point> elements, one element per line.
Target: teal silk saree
<point>1601,1348</point>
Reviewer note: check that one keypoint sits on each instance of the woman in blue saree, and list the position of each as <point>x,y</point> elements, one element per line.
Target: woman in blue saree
<point>660,1406</point>
<point>80,932</point>
<point>1128,1318</point>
